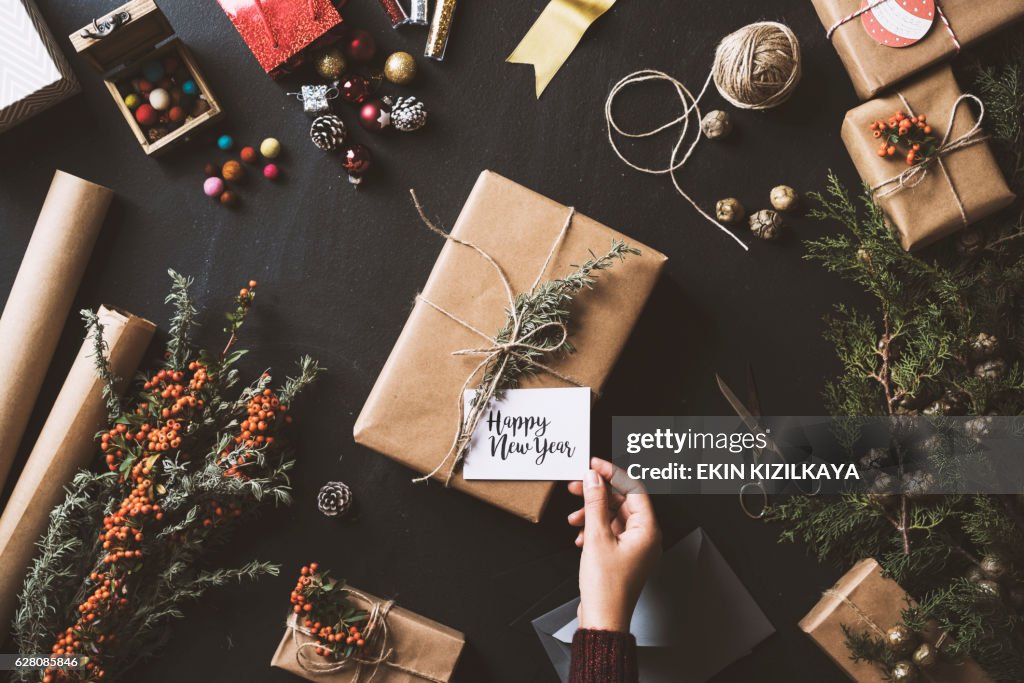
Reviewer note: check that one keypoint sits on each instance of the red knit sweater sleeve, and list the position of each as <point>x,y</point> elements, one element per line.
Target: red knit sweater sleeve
<point>603,657</point>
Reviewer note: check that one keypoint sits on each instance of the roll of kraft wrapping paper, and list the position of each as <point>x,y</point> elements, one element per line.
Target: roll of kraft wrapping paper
<point>41,298</point>
<point>65,445</point>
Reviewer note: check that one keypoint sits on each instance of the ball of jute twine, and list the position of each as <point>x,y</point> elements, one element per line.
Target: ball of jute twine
<point>758,66</point>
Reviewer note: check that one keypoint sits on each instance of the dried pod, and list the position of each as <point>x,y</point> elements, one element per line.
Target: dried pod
<point>766,224</point>
<point>716,124</point>
<point>729,210</point>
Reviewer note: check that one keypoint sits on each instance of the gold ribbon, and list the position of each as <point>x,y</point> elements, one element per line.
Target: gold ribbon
<point>554,36</point>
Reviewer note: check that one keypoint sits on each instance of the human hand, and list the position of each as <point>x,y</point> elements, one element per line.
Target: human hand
<point>621,543</point>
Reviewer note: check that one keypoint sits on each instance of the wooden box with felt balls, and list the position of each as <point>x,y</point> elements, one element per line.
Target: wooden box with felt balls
<point>150,73</point>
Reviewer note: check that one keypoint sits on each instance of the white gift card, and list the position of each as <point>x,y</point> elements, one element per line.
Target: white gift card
<point>531,434</point>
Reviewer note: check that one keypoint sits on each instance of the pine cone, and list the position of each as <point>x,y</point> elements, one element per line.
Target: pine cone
<point>766,224</point>
<point>408,114</point>
<point>334,499</point>
<point>991,370</point>
<point>327,132</point>
<point>969,242</point>
<point>984,345</point>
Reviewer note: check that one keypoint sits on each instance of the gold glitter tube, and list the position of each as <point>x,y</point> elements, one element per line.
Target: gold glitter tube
<point>440,27</point>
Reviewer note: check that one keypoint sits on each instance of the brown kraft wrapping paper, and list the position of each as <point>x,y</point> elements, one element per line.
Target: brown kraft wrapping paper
<point>883,601</point>
<point>411,414</point>
<point>874,67</point>
<point>927,211</point>
<point>420,645</point>
<point>41,298</point>
<point>65,445</point>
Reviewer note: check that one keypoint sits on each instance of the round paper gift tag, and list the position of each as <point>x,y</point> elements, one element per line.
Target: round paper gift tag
<point>898,23</point>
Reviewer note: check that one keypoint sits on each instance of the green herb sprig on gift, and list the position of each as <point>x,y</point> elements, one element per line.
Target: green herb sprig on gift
<point>186,457</point>
<point>543,315</point>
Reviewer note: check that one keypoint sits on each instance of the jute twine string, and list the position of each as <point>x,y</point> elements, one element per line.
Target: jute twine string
<point>519,342</point>
<point>756,67</point>
<point>376,633</point>
<point>875,3</point>
<point>915,175</point>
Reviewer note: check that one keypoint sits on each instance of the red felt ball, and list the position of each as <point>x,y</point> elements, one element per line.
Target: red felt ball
<point>143,86</point>
<point>248,155</point>
<point>210,170</point>
<point>356,160</point>
<point>360,46</point>
<point>146,115</point>
<point>374,116</point>
<point>176,115</point>
<point>354,89</point>
<point>171,64</point>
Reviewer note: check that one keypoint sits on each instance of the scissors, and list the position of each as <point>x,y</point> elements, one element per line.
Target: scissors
<point>752,417</point>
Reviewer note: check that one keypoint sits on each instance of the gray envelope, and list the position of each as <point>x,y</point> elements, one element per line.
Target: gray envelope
<point>693,619</point>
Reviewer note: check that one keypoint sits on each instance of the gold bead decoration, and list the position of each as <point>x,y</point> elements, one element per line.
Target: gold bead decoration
<point>400,68</point>
<point>330,63</point>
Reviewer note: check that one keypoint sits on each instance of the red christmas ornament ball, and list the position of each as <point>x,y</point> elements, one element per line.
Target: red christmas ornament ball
<point>248,155</point>
<point>374,116</point>
<point>356,160</point>
<point>354,89</point>
<point>360,46</point>
<point>146,115</point>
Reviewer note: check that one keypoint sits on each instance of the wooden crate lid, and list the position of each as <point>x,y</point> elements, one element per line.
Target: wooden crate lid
<point>123,35</point>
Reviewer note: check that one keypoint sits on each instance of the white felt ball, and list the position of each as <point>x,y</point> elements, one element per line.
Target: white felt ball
<point>160,99</point>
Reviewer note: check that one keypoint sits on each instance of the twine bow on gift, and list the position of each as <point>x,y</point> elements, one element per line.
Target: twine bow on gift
<point>375,634</point>
<point>915,175</point>
<point>515,342</point>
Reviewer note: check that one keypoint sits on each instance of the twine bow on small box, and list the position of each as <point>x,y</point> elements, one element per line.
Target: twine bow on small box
<point>916,174</point>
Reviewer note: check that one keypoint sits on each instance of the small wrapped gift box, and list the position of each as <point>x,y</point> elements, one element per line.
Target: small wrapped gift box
<point>864,599</point>
<point>34,74</point>
<point>279,31</point>
<point>961,185</point>
<point>125,46</point>
<point>875,39</point>
<point>413,410</point>
<point>419,650</point>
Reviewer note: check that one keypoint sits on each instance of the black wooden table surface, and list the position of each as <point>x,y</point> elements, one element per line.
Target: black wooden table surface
<point>338,269</point>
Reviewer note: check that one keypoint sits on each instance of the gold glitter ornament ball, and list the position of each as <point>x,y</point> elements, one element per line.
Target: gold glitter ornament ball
<point>400,68</point>
<point>330,63</point>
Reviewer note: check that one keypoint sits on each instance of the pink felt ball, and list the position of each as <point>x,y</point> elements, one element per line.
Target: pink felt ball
<point>271,171</point>
<point>213,186</point>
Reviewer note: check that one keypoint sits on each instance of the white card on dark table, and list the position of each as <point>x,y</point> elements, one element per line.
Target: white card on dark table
<point>531,434</point>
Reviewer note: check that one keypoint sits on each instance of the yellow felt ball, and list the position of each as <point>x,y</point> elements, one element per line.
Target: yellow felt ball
<point>270,148</point>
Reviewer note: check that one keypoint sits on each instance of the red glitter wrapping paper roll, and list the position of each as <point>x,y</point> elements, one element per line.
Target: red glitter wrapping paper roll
<point>396,14</point>
<point>278,30</point>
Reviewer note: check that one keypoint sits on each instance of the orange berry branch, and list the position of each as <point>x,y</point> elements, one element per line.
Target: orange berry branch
<point>320,605</point>
<point>184,462</point>
<point>909,136</point>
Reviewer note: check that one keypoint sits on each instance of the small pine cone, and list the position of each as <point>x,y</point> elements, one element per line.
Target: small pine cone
<point>327,132</point>
<point>992,370</point>
<point>984,345</point>
<point>408,114</point>
<point>334,499</point>
<point>716,125</point>
<point>729,210</point>
<point>766,224</point>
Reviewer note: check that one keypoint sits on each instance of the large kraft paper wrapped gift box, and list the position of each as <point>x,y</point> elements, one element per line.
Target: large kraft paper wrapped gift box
<point>873,67</point>
<point>412,412</point>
